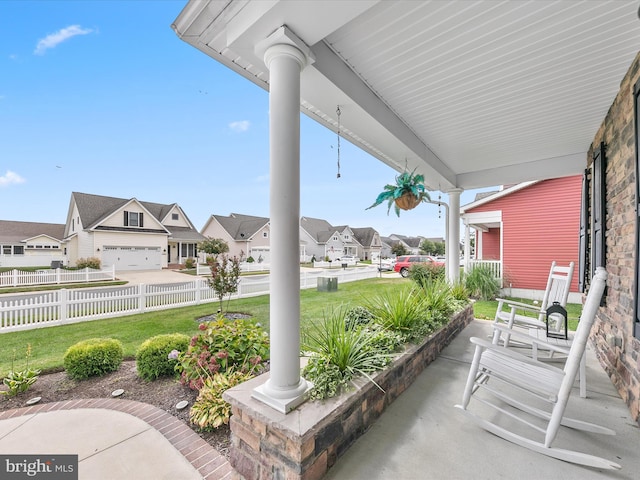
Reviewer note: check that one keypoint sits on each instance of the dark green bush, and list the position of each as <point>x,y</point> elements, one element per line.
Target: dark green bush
<point>153,356</point>
<point>93,357</point>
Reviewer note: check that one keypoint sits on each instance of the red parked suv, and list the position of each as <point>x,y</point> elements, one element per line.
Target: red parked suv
<point>404,262</point>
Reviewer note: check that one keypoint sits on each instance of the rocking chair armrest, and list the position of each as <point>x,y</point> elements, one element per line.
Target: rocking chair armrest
<point>487,345</point>
<point>527,338</point>
<point>525,306</point>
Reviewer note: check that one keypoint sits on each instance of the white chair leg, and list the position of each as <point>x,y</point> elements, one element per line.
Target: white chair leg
<point>582,375</point>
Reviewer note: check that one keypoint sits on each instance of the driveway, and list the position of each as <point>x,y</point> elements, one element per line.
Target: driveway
<point>153,276</point>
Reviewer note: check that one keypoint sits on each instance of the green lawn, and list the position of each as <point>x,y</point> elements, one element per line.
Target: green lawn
<point>487,310</point>
<point>49,344</point>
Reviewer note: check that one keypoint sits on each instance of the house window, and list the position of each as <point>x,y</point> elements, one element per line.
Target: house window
<point>18,250</point>
<point>335,238</point>
<point>133,219</point>
<point>6,249</point>
<point>174,216</point>
<point>265,235</point>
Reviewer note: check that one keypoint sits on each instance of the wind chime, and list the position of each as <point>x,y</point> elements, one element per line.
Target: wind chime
<point>338,113</point>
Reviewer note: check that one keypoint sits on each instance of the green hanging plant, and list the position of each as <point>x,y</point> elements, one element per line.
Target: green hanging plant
<point>407,193</point>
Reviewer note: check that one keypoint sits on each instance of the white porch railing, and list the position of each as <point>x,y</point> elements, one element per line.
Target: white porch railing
<point>19,278</point>
<point>66,306</point>
<point>494,265</point>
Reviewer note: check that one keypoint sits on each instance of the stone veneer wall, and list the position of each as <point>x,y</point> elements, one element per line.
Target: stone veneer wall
<point>306,442</point>
<point>616,320</point>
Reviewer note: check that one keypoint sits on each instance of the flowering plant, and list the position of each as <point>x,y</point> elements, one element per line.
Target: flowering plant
<point>220,346</point>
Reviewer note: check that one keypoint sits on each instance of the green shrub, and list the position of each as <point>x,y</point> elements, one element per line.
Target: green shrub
<point>481,283</point>
<point>189,263</point>
<point>153,358</point>
<point>220,345</point>
<point>93,357</point>
<point>425,273</point>
<point>91,262</point>
<point>210,410</point>
<point>357,316</point>
<point>402,312</point>
<point>250,259</point>
<point>337,355</point>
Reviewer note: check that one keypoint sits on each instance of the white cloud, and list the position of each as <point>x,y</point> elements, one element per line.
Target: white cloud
<point>54,39</point>
<point>240,126</point>
<point>10,178</point>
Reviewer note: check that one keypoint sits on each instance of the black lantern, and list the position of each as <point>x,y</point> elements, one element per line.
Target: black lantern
<point>557,320</point>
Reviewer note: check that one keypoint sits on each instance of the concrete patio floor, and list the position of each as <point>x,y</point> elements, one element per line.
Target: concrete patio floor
<point>422,436</point>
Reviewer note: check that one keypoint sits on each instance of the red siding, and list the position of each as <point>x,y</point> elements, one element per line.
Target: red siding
<point>491,244</point>
<point>541,223</point>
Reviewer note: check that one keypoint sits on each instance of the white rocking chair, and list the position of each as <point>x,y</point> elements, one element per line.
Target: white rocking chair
<point>557,290</point>
<point>535,327</point>
<point>534,382</point>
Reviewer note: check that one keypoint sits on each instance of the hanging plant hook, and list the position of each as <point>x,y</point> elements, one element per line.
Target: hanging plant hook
<point>338,112</point>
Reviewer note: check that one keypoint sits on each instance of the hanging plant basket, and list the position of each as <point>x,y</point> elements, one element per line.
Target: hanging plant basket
<point>407,193</point>
<point>407,201</point>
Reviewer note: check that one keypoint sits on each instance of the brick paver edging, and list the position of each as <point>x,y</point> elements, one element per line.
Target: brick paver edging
<point>204,458</point>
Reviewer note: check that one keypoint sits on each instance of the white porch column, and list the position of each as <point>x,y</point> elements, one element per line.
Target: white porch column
<point>453,240</point>
<point>285,389</point>
<point>467,245</point>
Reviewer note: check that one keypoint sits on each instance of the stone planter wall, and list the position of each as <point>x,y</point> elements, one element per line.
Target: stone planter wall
<point>306,442</point>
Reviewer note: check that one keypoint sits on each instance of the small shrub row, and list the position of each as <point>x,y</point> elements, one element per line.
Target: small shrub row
<point>91,262</point>
<point>363,339</point>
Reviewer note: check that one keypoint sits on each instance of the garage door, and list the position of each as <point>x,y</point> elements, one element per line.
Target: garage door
<point>132,258</point>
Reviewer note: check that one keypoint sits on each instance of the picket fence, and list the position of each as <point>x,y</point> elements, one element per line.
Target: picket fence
<point>65,306</point>
<point>21,278</point>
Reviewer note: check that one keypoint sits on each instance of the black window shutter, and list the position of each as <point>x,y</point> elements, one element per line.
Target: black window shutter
<point>140,220</point>
<point>584,235</point>
<point>598,210</point>
<point>126,218</point>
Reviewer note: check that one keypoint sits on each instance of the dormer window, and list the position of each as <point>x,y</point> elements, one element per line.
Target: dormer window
<point>133,219</point>
<point>174,216</point>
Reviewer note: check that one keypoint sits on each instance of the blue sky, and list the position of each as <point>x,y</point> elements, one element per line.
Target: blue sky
<point>102,97</point>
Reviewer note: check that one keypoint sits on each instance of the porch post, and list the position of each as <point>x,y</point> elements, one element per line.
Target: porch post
<point>285,389</point>
<point>453,247</point>
<point>467,245</point>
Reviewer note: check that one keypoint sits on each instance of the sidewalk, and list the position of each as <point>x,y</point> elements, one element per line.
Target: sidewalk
<point>113,438</point>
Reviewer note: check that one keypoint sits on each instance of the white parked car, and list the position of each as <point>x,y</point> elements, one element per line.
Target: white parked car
<point>348,259</point>
<point>385,265</point>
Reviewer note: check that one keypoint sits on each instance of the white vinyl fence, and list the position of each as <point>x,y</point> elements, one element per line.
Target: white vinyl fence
<point>21,278</point>
<point>60,307</point>
<point>495,266</point>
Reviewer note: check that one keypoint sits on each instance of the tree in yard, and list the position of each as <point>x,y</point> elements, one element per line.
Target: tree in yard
<point>398,249</point>
<point>213,246</point>
<point>225,276</point>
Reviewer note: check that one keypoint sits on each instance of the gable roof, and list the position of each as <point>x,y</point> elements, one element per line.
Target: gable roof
<point>317,228</point>
<point>495,195</point>
<point>17,232</point>
<point>94,209</point>
<point>241,227</point>
<point>364,235</point>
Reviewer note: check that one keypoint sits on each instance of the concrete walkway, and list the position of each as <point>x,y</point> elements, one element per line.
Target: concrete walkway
<point>113,438</point>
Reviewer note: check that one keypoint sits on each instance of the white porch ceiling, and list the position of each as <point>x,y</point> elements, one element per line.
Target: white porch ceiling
<point>472,93</point>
